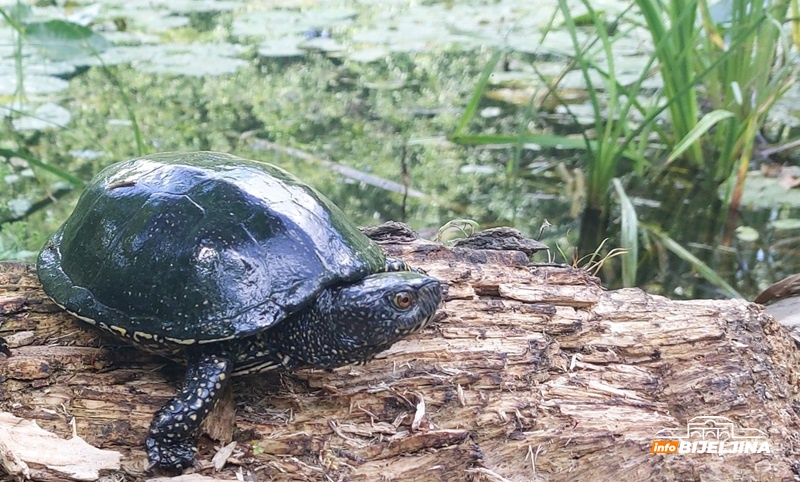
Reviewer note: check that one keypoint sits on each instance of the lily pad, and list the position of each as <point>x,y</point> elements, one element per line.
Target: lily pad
<point>282,47</point>
<point>787,224</point>
<point>283,23</point>
<point>189,6</point>
<point>48,67</point>
<point>46,116</point>
<point>766,192</point>
<point>155,21</point>
<point>193,59</point>
<point>19,207</point>
<point>33,84</point>
<point>322,43</point>
<point>146,15</point>
<point>189,64</point>
<point>747,234</point>
<point>85,15</point>
<point>86,154</point>
<point>368,55</point>
<point>59,39</point>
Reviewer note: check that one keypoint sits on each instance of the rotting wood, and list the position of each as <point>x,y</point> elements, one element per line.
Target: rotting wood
<point>529,373</point>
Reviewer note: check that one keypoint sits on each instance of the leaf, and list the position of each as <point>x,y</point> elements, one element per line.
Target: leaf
<point>477,93</point>
<point>59,40</point>
<point>543,140</point>
<point>705,271</point>
<point>14,14</point>
<point>629,236</point>
<point>46,116</point>
<point>707,122</point>
<point>70,178</point>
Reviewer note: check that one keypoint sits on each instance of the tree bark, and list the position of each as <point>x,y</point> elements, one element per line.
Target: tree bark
<point>528,373</point>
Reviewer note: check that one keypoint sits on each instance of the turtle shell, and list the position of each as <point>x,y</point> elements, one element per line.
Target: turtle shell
<point>199,247</point>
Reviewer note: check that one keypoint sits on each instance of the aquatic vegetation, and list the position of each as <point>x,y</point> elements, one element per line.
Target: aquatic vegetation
<point>526,113</point>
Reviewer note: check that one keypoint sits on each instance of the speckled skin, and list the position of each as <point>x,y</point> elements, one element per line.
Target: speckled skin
<point>349,324</point>
<point>231,266</point>
<point>170,442</point>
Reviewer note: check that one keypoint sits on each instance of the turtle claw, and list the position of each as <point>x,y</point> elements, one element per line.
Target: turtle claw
<point>168,456</point>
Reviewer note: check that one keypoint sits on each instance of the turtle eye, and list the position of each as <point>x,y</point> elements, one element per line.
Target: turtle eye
<point>403,300</point>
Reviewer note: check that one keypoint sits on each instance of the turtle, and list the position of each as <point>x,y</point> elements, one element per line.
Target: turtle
<point>230,266</point>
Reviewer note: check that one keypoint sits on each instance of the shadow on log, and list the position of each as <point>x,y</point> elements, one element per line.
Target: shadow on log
<point>528,373</point>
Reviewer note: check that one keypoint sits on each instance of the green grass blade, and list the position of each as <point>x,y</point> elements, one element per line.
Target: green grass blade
<point>544,140</point>
<point>126,101</point>
<point>686,88</point>
<point>16,26</point>
<point>705,271</point>
<point>706,123</point>
<point>672,27</point>
<point>477,93</point>
<point>629,236</point>
<point>72,179</point>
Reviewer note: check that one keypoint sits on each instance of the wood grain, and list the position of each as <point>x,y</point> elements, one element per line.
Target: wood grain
<point>528,373</point>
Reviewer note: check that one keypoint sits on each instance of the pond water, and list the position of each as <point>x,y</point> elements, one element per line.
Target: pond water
<point>357,98</point>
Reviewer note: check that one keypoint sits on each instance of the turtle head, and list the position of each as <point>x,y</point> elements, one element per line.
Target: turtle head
<point>359,320</point>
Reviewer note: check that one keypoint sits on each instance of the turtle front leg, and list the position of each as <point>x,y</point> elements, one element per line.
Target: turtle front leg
<point>170,442</point>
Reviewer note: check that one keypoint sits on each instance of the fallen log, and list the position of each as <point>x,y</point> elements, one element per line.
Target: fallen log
<point>528,373</point>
